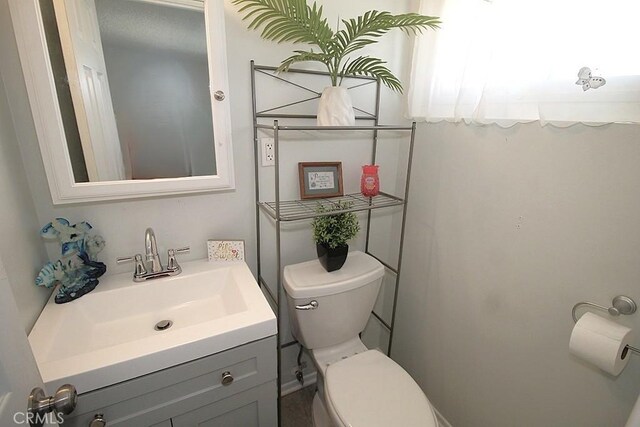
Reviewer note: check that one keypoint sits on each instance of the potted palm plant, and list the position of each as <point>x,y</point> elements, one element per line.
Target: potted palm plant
<point>295,21</point>
<point>332,232</point>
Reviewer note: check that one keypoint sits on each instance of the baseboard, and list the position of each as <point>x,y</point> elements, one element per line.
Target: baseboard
<point>442,421</point>
<point>294,385</point>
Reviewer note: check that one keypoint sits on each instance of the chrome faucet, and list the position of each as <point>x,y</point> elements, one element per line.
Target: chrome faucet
<point>151,251</point>
<point>152,268</point>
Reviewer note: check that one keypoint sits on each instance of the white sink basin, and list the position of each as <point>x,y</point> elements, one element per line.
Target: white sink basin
<point>108,335</point>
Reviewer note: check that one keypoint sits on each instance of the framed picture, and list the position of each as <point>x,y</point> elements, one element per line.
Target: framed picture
<point>320,179</point>
<point>225,250</point>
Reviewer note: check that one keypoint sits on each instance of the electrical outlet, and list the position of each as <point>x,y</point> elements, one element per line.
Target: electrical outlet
<point>268,152</point>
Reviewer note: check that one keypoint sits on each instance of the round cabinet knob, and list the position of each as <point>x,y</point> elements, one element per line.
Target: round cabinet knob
<point>98,421</point>
<point>227,378</point>
<point>219,95</point>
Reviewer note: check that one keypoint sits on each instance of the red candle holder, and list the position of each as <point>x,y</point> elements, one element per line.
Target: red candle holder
<point>370,182</point>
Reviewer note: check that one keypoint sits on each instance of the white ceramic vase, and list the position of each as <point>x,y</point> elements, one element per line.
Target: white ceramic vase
<point>335,108</point>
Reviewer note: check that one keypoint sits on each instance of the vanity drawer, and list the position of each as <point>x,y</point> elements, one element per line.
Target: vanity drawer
<point>157,397</point>
<point>253,408</point>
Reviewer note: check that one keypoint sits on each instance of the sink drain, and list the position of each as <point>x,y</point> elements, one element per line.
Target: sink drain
<point>163,325</point>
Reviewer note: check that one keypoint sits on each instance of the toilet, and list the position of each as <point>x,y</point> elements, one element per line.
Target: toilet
<point>357,387</point>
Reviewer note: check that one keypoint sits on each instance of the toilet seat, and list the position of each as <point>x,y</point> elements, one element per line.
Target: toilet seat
<point>371,390</point>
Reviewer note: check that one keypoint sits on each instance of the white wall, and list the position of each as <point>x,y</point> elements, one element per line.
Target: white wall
<point>21,248</point>
<point>507,230</point>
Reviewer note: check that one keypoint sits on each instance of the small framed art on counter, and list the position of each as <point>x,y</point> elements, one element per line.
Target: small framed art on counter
<point>225,250</point>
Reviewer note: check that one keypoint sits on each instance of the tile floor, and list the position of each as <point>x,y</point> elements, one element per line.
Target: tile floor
<point>296,408</point>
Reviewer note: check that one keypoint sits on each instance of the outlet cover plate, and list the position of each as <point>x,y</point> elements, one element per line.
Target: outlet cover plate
<point>268,152</point>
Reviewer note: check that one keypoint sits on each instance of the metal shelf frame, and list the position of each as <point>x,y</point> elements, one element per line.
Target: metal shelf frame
<point>281,211</point>
<point>296,210</point>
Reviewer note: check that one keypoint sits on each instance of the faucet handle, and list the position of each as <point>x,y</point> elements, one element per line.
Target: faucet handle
<point>137,258</point>
<point>172,262</point>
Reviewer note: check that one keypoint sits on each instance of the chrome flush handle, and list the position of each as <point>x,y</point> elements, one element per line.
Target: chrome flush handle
<point>311,306</point>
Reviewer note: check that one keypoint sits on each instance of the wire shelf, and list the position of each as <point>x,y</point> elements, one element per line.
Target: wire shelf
<point>294,210</point>
<point>334,128</point>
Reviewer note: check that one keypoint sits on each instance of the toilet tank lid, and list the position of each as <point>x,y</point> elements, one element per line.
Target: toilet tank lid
<point>310,280</point>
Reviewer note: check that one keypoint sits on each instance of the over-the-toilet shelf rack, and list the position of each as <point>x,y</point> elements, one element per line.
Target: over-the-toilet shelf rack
<point>295,210</point>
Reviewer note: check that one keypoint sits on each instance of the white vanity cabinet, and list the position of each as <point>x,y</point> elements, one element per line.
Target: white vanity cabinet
<point>193,393</point>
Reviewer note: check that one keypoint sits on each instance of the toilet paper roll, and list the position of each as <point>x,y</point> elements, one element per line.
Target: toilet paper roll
<point>601,342</point>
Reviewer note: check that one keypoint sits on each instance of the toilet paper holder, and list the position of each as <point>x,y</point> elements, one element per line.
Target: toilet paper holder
<point>621,304</point>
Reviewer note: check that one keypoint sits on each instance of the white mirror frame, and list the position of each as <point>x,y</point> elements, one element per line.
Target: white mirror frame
<point>38,75</point>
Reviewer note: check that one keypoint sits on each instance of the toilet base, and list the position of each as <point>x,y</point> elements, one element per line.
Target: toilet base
<point>321,417</point>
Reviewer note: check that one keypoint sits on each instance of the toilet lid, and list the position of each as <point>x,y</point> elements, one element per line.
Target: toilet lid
<point>371,390</point>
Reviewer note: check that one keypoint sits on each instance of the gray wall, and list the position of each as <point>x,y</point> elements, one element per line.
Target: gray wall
<point>191,220</point>
<point>484,311</point>
<point>21,248</point>
<point>507,230</point>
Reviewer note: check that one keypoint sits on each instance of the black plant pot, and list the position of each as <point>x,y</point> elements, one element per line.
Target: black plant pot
<point>332,259</point>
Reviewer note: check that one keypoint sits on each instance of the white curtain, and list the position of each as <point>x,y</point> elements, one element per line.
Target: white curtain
<point>510,61</point>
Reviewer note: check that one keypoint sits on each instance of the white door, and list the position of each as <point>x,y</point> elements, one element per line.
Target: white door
<point>18,370</point>
<point>87,73</point>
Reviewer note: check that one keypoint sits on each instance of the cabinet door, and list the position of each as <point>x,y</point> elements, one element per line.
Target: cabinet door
<point>161,395</point>
<point>253,408</point>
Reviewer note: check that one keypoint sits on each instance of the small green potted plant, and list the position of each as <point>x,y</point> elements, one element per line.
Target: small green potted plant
<point>295,21</point>
<point>332,232</point>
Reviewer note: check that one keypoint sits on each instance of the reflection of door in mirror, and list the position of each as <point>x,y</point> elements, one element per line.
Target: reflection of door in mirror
<point>87,73</point>
<point>152,116</point>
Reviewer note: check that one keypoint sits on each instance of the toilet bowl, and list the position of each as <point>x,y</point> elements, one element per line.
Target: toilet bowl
<point>357,387</point>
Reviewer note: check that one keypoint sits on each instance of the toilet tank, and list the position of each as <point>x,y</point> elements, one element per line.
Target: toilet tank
<point>345,299</point>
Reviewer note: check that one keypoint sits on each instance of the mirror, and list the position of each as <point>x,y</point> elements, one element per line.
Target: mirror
<point>133,83</point>
<point>139,97</point>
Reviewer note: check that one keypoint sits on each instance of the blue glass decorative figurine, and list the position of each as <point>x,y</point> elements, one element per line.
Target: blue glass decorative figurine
<point>78,269</point>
